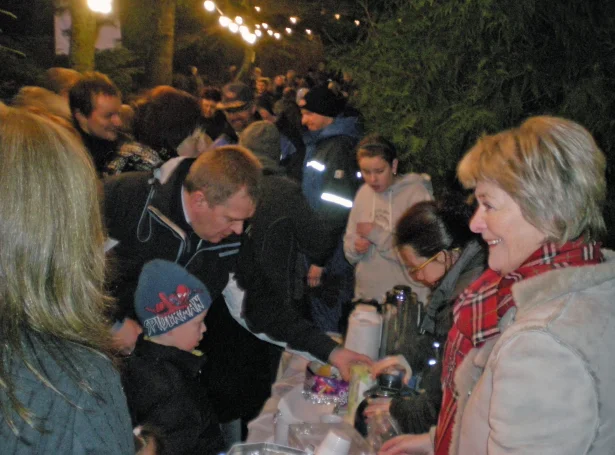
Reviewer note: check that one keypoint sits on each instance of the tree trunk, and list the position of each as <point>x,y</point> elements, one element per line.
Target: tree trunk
<point>249,56</point>
<point>159,66</point>
<point>137,17</point>
<point>83,36</point>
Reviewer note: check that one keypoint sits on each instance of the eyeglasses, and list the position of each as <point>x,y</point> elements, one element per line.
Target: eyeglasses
<point>413,270</point>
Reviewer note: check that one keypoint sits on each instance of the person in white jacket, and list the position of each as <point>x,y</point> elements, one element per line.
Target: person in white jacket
<point>380,202</point>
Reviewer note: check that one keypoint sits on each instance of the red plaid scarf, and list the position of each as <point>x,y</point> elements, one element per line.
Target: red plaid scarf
<point>479,308</point>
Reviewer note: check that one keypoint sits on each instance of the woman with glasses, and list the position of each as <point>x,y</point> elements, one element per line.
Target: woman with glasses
<point>439,250</point>
<point>368,243</point>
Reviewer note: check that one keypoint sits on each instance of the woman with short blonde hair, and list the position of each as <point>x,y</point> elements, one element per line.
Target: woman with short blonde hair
<point>539,164</point>
<point>526,368</point>
<point>58,391</point>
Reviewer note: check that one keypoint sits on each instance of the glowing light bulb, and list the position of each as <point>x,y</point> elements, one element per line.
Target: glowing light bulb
<point>277,35</point>
<point>308,31</point>
<point>289,30</point>
<point>100,6</point>
<point>210,6</point>
<point>269,32</point>
<point>258,33</point>
<point>224,21</point>
<point>337,17</point>
<point>258,9</point>
<point>239,20</point>
<point>243,30</point>
<point>265,26</point>
<point>250,38</point>
<point>357,22</point>
<point>294,19</point>
<point>234,28</point>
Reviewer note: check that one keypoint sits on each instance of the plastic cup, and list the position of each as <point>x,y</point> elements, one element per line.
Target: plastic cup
<point>281,429</point>
<point>333,444</point>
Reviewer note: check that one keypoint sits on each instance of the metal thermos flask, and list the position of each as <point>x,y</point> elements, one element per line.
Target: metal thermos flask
<point>401,315</point>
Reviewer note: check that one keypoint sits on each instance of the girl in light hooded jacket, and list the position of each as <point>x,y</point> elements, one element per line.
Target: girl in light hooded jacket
<point>378,205</point>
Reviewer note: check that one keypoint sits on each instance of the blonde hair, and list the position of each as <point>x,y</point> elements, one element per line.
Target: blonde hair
<point>552,168</point>
<point>221,172</point>
<point>52,261</point>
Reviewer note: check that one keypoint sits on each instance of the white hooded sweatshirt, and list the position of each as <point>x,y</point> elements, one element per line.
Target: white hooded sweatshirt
<point>381,267</point>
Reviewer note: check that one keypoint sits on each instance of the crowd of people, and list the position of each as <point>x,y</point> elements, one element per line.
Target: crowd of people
<point>160,255</point>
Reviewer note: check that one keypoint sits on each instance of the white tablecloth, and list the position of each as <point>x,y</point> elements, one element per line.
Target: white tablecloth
<point>293,366</point>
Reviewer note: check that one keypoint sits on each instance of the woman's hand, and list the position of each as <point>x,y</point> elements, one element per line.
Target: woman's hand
<point>397,361</point>
<point>361,245</point>
<point>408,444</point>
<point>365,228</point>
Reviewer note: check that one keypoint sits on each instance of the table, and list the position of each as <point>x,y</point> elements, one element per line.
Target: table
<point>291,374</point>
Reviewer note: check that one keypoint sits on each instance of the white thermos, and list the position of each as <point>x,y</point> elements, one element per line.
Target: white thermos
<point>364,331</point>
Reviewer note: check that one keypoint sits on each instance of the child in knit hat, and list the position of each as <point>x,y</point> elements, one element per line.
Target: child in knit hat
<point>162,378</point>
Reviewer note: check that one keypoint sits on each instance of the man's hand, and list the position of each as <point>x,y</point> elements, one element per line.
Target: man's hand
<point>361,245</point>
<point>343,359</point>
<point>365,228</point>
<point>397,361</point>
<point>314,276</point>
<point>408,444</point>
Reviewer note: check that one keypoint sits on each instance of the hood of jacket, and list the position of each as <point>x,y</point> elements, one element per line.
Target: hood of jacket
<point>405,191</point>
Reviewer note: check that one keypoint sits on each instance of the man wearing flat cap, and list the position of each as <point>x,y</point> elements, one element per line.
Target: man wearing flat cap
<point>238,105</point>
<point>329,184</point>
<point>241,110</point>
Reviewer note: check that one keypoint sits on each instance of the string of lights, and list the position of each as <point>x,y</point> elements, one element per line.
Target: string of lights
<point>239,25</point>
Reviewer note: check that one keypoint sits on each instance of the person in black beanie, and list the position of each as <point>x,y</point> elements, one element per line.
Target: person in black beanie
<point>330,183</point>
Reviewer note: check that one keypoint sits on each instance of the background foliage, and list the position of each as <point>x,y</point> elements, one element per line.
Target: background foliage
<point>435,75</point>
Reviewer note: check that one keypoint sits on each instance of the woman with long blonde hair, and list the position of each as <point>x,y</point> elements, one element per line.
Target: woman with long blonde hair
<point>59,392</point>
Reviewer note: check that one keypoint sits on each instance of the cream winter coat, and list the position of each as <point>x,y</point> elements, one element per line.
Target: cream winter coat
<point>380,268</point>
<point>547,384</point>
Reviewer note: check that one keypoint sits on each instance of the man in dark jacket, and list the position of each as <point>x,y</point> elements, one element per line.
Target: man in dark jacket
<point>95,104</point>
<point>241,110</point>
<point>283,225</point>
<point>192,214</point>
<point>329,183</point>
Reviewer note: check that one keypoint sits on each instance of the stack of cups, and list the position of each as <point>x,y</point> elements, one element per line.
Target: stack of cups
<point>364,331</point>
<point>333,444</point>
<point>282,423</point>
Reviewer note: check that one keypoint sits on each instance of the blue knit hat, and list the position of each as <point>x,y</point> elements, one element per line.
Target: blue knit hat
<point>167,296</point>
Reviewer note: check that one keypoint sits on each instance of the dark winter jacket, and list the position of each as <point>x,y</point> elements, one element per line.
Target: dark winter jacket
<point>164,390</point>
<point>147,218</point>
<point>416,414</point>
<point>283,225</point>
<point>330,167</point>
